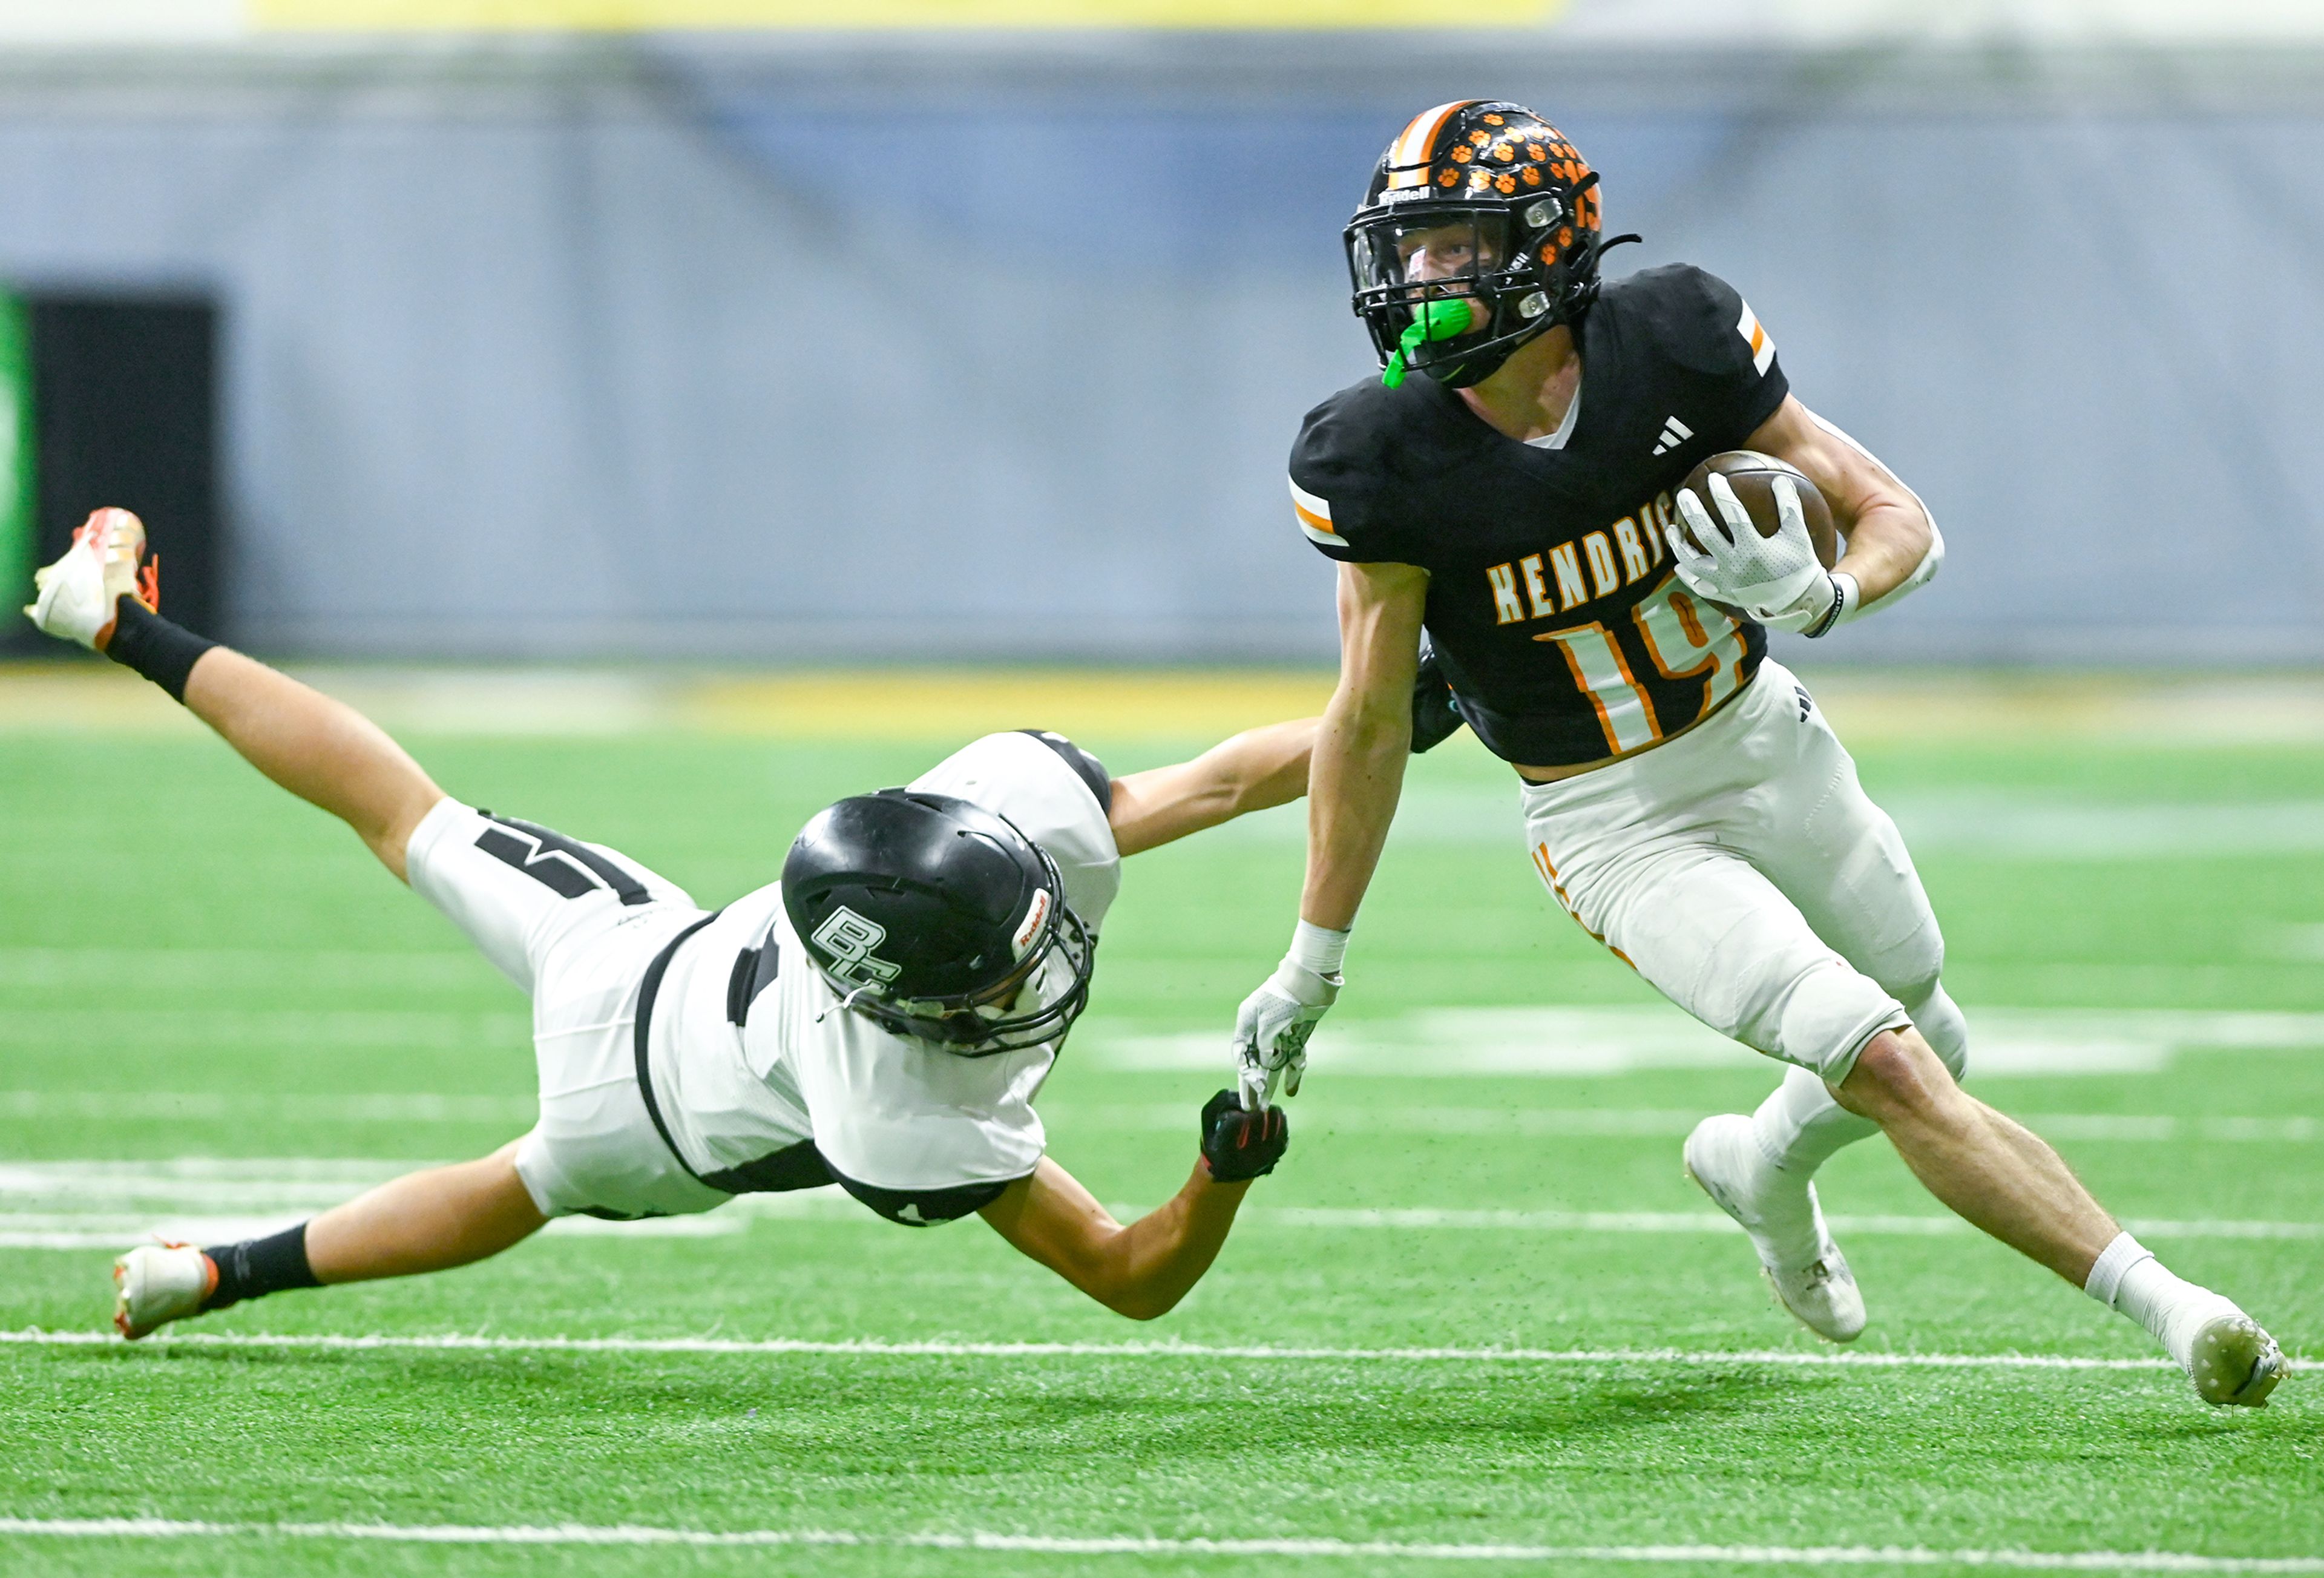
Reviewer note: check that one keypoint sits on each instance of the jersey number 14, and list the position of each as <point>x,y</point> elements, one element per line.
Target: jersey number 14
<point>1687,639</point>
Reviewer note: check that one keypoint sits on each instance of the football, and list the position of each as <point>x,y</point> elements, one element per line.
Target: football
<point>1752,476</point>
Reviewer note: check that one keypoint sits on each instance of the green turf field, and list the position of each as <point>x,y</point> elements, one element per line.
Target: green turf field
<point>1477,1318</point>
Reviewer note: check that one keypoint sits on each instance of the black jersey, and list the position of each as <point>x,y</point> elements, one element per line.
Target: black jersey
<point>1552,604</point>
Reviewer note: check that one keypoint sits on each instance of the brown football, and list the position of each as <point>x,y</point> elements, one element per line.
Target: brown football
<point>1752,476</point>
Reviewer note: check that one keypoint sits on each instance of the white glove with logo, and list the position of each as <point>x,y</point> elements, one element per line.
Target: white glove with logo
<point>1776,580</point>
<point>1272,1027</point>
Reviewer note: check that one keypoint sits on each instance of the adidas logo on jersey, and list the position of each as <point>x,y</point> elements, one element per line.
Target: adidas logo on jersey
<point>1674,433</point>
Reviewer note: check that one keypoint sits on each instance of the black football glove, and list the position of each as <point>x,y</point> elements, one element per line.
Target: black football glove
<point>1434,718</point>
<point>1238,1145</point>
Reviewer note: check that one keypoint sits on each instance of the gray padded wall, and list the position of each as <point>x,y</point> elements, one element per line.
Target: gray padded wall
<point>919,348</point>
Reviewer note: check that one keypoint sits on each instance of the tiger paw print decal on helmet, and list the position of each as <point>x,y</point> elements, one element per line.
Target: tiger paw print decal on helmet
<point>1483,203</point>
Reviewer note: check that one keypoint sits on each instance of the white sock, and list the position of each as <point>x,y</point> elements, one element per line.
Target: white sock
<point>2129,1280</point>
<point>1799,1126</point>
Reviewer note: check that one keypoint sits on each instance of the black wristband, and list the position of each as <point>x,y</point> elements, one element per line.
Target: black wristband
<point>1831,615</point>
<point>144,641</point>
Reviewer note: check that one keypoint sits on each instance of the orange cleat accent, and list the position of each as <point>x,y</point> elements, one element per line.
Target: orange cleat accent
<point>158,1283</point>
<point>77,597</point>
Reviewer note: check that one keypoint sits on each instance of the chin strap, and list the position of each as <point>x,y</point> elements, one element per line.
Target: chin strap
<point>1435,320</point>
<point>1582,297</point>
<point>844,1005</point>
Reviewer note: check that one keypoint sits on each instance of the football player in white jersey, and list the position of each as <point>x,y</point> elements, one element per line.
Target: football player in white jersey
<point>881,1018</point>
<point>1511,485</point>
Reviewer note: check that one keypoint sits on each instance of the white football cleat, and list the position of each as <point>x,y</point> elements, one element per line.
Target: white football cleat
<point>2234,1363</point>
<point>158,1284</point>
<point>1808,1272</point>
<point>77,592</point>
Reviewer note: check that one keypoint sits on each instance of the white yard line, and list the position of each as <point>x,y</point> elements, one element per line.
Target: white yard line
<point>578,1534</point>
<point>115,1106</point>
<point>1528,1121</point>
<point>239,969</point>
<point>111,1205</point>
<point>945,1349</point>
<point>1323,1117</point>
<point>17,1233</point>
<point>323,1031</point>
<point>1542,1042</point>
<point>1917,1225</point>
<point>1491,1042</point>
<point>2014,824</point>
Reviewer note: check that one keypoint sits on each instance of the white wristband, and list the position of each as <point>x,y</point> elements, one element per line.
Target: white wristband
<point>1318,948</point>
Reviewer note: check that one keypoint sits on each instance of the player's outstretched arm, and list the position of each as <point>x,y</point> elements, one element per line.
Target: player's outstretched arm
<point>1143,1270</point>
<point>1252,771</point>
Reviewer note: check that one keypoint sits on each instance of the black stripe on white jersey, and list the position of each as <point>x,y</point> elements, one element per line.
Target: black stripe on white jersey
<point>558,862</point>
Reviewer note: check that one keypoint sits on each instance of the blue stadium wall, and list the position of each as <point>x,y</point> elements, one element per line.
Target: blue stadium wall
<point>833,350</point>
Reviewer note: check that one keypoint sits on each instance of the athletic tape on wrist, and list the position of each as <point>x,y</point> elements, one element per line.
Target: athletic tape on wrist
<point>1318,948</point>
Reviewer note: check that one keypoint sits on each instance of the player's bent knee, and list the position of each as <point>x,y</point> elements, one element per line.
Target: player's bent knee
<point>1897,1077</point>
<point>1826,1013</point>
<point>1943,1025</point>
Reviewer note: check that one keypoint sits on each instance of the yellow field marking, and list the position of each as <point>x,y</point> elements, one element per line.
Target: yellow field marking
<point>952,704</point>
<point>903,705</point>
<point>939,704</point>
<point>1958,706</point>
<point>95,698</point>
<point>649,15</point>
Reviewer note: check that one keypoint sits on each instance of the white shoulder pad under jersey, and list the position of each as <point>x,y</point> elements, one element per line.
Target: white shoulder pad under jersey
<point>1030,780</point>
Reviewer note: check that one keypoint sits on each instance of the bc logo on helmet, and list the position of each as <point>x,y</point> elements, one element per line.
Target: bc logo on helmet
<point>848,939</point>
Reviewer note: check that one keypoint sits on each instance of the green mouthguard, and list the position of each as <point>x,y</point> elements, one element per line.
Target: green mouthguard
<point>1435,320</point>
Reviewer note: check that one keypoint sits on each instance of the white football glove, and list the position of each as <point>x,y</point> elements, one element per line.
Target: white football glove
<point>1272,1028</point>
<point>1776,580</point>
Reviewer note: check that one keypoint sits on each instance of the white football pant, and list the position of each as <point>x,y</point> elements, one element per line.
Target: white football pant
<point>574,925</point>
<point>1741,871</point>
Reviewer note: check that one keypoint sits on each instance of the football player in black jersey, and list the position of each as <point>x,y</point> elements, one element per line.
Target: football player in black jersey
<point>1510,489</point>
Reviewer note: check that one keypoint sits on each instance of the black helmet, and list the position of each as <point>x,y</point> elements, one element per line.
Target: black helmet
<point>931,916</point>
<point>1480,202</point>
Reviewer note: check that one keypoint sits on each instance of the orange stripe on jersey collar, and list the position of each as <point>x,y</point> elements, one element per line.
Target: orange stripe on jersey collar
<point>1415,148</point>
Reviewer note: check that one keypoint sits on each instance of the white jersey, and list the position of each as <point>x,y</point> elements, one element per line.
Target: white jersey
<point>802,1092</point>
